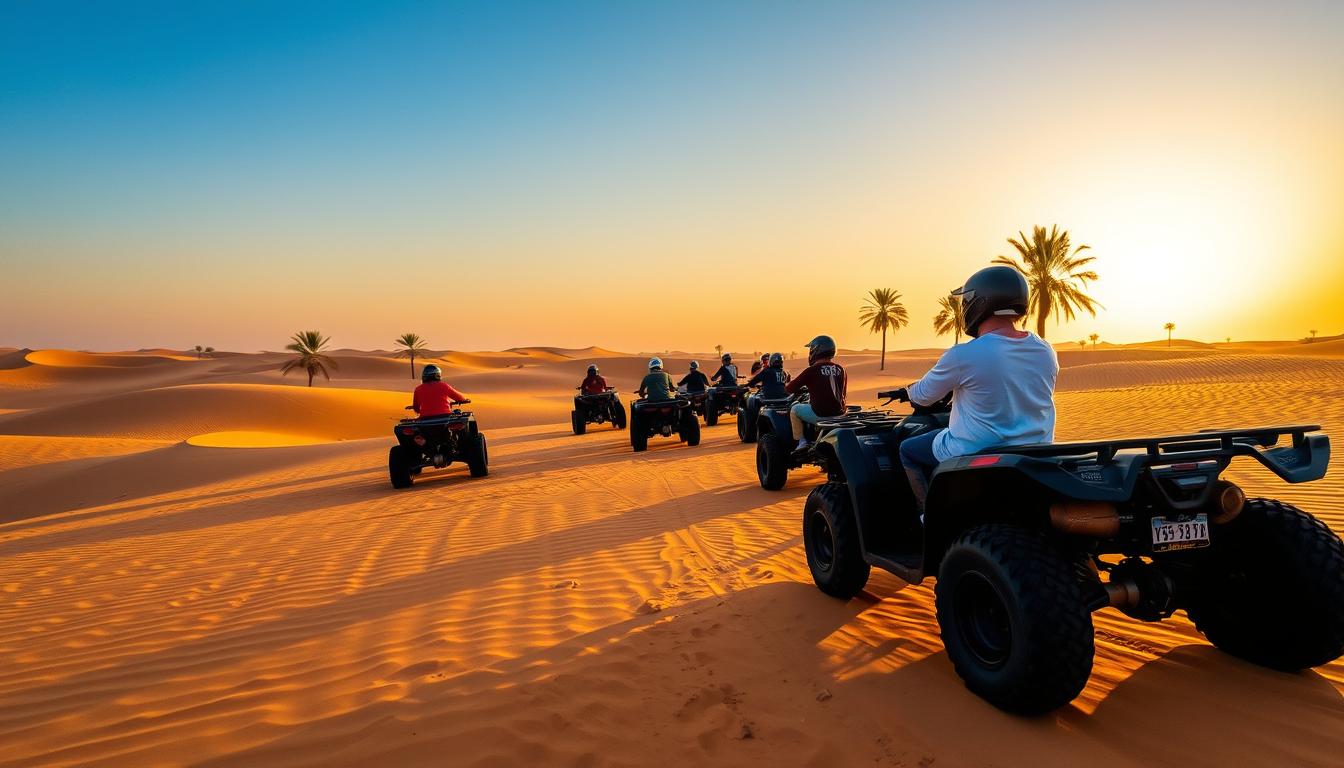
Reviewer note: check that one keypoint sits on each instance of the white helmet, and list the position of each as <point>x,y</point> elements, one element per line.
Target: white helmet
<point>655,363</point>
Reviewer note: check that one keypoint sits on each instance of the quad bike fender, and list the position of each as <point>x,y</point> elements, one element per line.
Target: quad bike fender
<point>869,466</point>
<point>772,420</point>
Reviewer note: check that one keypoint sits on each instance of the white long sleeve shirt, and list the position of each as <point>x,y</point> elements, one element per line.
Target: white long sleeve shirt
<point>1003,393</point>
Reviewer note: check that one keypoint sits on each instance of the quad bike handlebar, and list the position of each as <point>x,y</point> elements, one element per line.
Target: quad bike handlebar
<point>903,395</point>
<point>455,402</point>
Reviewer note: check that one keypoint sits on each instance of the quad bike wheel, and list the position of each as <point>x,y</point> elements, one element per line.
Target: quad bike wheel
<point>478,456</point>
<point>1272,590</point>
<point>578,422</point>
<point>746,426</point>
<point>831,540</point>
<point>690,428</point>
<point>772,461</point>
<point>639,434</point>
<point>618,415</point>
<point>399,466</point>
<point>711,411</point>
<point>1013,619</point>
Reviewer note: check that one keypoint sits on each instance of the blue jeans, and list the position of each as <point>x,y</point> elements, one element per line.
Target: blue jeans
<point>919,462</point>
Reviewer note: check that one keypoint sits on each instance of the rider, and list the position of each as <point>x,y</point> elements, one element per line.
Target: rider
<point>726,376</point>
<point>434,396</point>
<point>757,365</point>
<point>657,386</point>
<point>826,383</point>
<point>695,381</point>
<point>1002,382</point>
<point>772,378</point>
<point>593,384</point>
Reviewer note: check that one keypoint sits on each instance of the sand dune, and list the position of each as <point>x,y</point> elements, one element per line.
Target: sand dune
<point>166,602</point>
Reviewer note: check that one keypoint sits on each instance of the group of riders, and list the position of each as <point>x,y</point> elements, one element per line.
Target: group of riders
<point>1002,382</point>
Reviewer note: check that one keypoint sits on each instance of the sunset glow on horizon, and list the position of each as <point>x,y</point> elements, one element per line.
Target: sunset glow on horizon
<point>648,177</point>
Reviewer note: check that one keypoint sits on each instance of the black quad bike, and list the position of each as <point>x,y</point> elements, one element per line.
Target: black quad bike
<point>437,441</point>
<point>664,417</point>
<point>696,399</point>
<point>1027,541</point>
<point>749,410</point>
<point>597,408</point>
<point>776,453</point>
<point>721,400</point>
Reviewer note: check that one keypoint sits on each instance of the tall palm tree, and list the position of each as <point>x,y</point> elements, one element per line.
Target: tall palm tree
<point>1094,338</point>
<point>209,351</point>
<point>718,350</point>
<point>309,345</point>
<point>1169,327</point>
<point>1055,275</point>
<point>199,350</point>
<point>1082,344</point>
<point>1313,336</point>
<point>882,309</point>
<point>949,317</point>
<point>411,345</point>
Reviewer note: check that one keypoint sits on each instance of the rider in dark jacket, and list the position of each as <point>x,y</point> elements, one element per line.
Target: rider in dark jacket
<point>726,376</point>
<point>695,381</point>
<point>772,379</point>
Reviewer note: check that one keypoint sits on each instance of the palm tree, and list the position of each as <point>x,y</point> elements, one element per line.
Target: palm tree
<point>1054,274</point>
<point>199,350</point>
<point>1094,338</point>
<point>209,351</point>
<point>949,317</point>
<point>1313,337</point>
<point>718,350</point>
<point>882,310</point>
<point>309,345</point>
<point>1082,344</point>
<point>411,345</point>
<point>1229,339</point>
<point>1169,327</point>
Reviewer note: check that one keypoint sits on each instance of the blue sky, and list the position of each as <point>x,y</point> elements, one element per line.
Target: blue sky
<point>534,154</point>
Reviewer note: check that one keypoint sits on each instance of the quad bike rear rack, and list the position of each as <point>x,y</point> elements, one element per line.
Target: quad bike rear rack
<point>1302,461</point>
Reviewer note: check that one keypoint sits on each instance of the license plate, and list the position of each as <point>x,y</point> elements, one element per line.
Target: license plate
<point>1186,534</point>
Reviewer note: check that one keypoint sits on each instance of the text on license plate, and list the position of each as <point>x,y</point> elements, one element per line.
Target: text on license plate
<point>1186,534</point>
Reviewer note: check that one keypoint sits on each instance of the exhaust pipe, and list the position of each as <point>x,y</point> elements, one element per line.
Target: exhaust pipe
<point>1230,501</point>
<point>1085,518</point>
<point>439,461</point>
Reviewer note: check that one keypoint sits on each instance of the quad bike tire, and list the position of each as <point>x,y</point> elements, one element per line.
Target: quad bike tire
<point>772,461</point>
<point>711,411</point>
<point>478,456</point>
<point>746,426</point>
<point>831,540</point>
<point>618,415</point>
<point>399,467</point>
<point>1272,589</point>
<point>1014,619</point>
<point>639,434</point>
<point>690,428</point>
<point>577,421</point>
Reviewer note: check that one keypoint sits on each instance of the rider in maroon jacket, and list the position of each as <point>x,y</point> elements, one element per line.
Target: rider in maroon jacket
<point>826,383</point>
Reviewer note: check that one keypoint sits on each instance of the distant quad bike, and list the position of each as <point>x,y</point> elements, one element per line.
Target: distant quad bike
<point>436,441</point>
<point>749,411</point>
<point>665,418</point>
<point>597,408</point>
<point>775,451</point>
<point>696,399</point>
<point>1026,542</point>
<point>721,400</point>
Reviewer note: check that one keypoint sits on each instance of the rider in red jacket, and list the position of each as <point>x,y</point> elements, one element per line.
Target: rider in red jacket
<point>435,397</point>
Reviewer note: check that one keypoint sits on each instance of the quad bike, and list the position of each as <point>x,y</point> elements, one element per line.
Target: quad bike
<point>1027,541</point>
<point>749,410</point>
<point>721,400</point>
<point>696,399</point>
<point>664,417</point>
<point>775,451</point>
<point>436,441</point>
<point>599,407</point>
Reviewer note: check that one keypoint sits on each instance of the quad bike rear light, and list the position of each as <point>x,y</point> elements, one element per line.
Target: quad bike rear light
<point>985,461</point>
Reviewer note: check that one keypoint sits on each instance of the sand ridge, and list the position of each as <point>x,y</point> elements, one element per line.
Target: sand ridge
<point>167,601</point>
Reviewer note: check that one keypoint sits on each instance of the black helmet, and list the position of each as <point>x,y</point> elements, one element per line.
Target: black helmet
<point>766,357</point>
<point>695,366</point>
<point>727,358</point>
<point>592,369</point>
<point>822,346</point>
<point>776,360</point>
<point>431,373</point>
<point>998,290</point>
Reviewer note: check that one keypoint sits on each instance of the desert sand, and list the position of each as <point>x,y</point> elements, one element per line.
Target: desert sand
<point>202,563</point>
